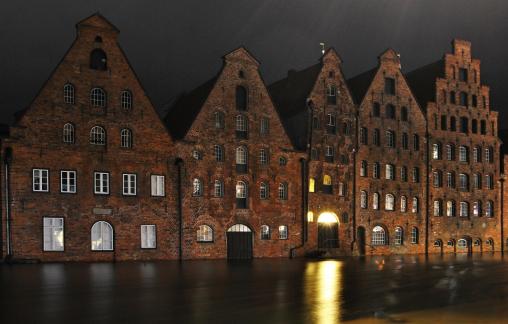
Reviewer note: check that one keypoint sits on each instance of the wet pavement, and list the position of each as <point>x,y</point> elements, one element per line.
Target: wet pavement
<point>448,289</point>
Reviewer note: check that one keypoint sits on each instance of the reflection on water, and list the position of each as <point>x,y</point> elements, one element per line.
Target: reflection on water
<point>397,288</point>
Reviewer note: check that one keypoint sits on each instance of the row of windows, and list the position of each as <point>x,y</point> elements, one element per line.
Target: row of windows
<point>437,180</point>
<point>242,154</point>
<point>331,125</point>
<point>390,139</point>
<point>389,171</point>
<point>98,97</point>
<point>463,243</point>
<point>379,236</point>
<point>464,209</point>
<point>327,186</point>
<point>97,136</point>
<point>463,99</point>
<point>101,181</point>
<point>241,189</point>
<point>464,125</point>
<point>204,233</point>
<point>463,153</point>
<point>389,202</point>
<point>241,124</point>
<point>390,111</point>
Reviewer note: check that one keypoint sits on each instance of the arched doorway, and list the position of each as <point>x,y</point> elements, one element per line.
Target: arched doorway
<point>360,233</point>
<point>328,230</point>
<point>239,242</point>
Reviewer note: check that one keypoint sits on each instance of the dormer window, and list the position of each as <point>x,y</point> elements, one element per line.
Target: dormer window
<point>98,60</point>
<point>390,86</point>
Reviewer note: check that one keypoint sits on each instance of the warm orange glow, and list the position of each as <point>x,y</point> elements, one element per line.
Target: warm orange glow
<point>328,217</point>
<point>310,217</point>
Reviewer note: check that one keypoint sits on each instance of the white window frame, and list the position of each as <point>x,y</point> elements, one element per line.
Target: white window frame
<point>399,236</point>
<point>390,172</point>
<point>283,191</point>
<point>40,180</point>
<point>69,94</point>
<point>389,202</point>
<point>264,191</point>
<point>98,97</point>
<point>67,177</point>
<point>263,156</point>
<point>378,236</point>
<point>129,184</point>
<point>464,209</point>
<point>218,152</point>
<point>264,128</point>
<point>265,232</point>
<point>204,234</point>
<point>68,134</point>
<point>403,204</point>
<point>157,185</point>
<point>53,234</point>
<point>148,235</point>
<point>98,243</point>
<point>126,138</point>
<point>101,183</point>
<point>197,187</point>
<point>283,232</point>
<point>218,189</point>
<point>126,100</point>
<point>98,135</point>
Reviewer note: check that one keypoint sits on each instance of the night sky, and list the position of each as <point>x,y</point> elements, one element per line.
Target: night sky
<point>176,45</point>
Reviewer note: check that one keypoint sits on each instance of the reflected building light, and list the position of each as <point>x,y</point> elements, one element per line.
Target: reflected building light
<point>324,295</point>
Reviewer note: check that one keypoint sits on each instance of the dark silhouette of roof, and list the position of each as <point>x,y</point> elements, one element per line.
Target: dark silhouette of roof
<point>186,108</point>
<point>422,82</point>
<point>360,84</point>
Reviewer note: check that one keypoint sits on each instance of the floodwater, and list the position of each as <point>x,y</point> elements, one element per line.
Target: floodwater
<point>413,289</point>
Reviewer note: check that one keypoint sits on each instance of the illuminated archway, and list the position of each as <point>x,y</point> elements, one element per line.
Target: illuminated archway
<point>328,230</point>
<point>328,217</point>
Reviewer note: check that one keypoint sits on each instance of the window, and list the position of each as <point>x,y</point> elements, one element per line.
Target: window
<point>315,123</point>
<point>376,170</point>
<point>378,236</point>
<point>414,235</point>
<point>390,138</point>
<point>453,99</point>
<point>405,141</point>
<point>450,179</point>
<point>129,184</point>
<point>443,122</point>
<point>403,114</point>
<point>265,232</point>
<point>241,159</point>
<point>463,99</point>
<point>376,137</point>
<point>464,125</point>
<point>331,95</point>
<point>53,234</point>
<point>416,142</point>
<point>264,128</point>
<point>364,135</point>
<point>126,100</point>
<point>314,154</point>
<point>450,152</point>
<point>438,243</point>
<point>342,189</point>
<point>438,207</point>
<point>390,86</point>
<point>345,218</point>
<point>464,182</point>
<point>218,189</point>
<point>462,243</point>
<point>283,191</point>
<point>242,127</point>
<point>450,208</point>
<point>204,234</point>
<point>283,232</point>
<point>453,124</point>
<point>376,109</point>
<point>463,74</point>
<point>414,208</point>
<point>68,181</point>
<point>390,172</point>
<point>241,98</point>
<point>390,111</point>
<point>40,180</point>
<point>398,236</point>
<point>375,201</point>
<point>363,169</point>
<point>264,191</point>
<point>474,126</point>
<point>218,153</point>
<point>329,154</point>
<point>403,174</point>
<point>327,184</point>
<point>477,154</point>
<point>197,188</point>
<point>363,199</point>
<point>477,208</point>
<point>464,209</point>
<point>438,178</point>
<point>241,195</point>
<point>283,161</point>
<point>483,127</point>
<point>241,74</point>
<point>101,183</point>
<point>330,123</point>
<point>218,120</point>
<point>263,156</point>
<point>477,181</point>
<point>102,236</point>
<point>312,184</point>
<point>98,60</point>
<point>416,175</point>
<point>157,185</point>
<point>489,181</point>
<point>98,98</point>
<point>463,154</point>
<point>148,237</point>
<point>346,128</point>
<point>403,204</point>
<point>68,133</point>
<point>68,93</point>
<point>489,155</point>
<point>436,151</point>
<point>489,209</point>
<point>97,136</point>
<point>389,202</point>
<point>474,100</point>
<point>126,138</point>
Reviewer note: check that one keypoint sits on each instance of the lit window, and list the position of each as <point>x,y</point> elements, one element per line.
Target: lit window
<point>218,153</point>
<point>436,151</point>
<point>375,201</point>
<point>218,120</point>
<point>363,169</point>
<point>53,234</point>
<point>126,100</point>
<point>398,236</point>
<point>197,188</point>
<point>148,237</point>
<point>101,183</point>
<point>312,184</point>
<point>363,199</point>
<point>157,184</point>
<point>97,136</point>
<point>265,232</point>
<point>390,172</point>
<point>68,181</point>
<point>477,208</point>
<point>204,234</point>
<point>414,235</point>
<point>263,156</point>
<point>389,202</point>
<point>450,208</point>
<point>310,216</point>
<point>40,180</point>
<point>264,190</point>
<point>403,204</point>
<point>241,195</point>
<point>464,209</point>
<point>283,191</point>
<point>102,236</point>
<point>68,93</point>
<point>414,208</point>
<point>126,138</point>
<point>342,189</point>
<point>98,98</point>
<point>378,236</point>
<point>218,189</point>
<point>283,232</point>
<point>68,133</point>
<point>438,207</point>
<point>489,209</point>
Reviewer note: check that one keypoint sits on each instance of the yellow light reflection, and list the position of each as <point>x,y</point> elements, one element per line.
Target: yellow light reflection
<point>327,217</point>
<point>324,293</point>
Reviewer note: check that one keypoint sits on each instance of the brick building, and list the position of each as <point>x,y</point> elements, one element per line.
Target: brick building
<point>380,163</point>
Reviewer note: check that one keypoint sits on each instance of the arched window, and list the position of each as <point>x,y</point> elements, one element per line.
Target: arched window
<point>390,172</point>
<point>390,138</point>
<point>389,202</point>
<point>197,155</point>
<point>197,188</point>
<point>438,178</point>
<point>264,127</point>
<point>438,243</point>
<point>403,113</point>
<point>126,100</point>
<point>218,189</point>
<point>450,208</point>
<point>376,170</point>
<point>204,234</point>
<point>464,209</point>
<point>283,191</point>
<point>463,99</point>
<point>265,232</point>
<point>416,142</point>
<point>450,152</point>
<point>462,243</point>
<point>399,234</point>
<point>450,179</point>
<point>312,184</point>
<point>241,159</point>
<point>218,153</point>
<point>241,195</point>
<point>378,236</point>
<point>218,120</point>
<point>363,169</point>
<point>474,126</point>
<point>68,94</point>
<point>416,175</point>
<point>477,154</point>
<point>126,138</point>
<point>263,156</point>
<point>477,208</point>
<point>451,242</point>
<point>489,181</point>
<point>438,207</point>
<point>98,98</point>
<point>403,173</point>
<point>415,207</point>
<point>98,136</point>
<point>464,182</point>
<point>363,199</point>
<point>327,184</point>
<point>102,236</point>
<point>464,125</point>
<point>390,111</point>
<point>331,94</point>
<point>364,136</point>
<point>68,133</point>
<point>375,201</point>
<point>242,127</point>
<point>241,98</point>
<point>477,181</point>
<point>98,60</point>
<point>403,204</point>
<point>436,151</point>
<point>489,209</point>
<point>463,154</point>
<point>489,154</point>
<point>376,109</point>
<point>414,235</point>
<point>405,141</point>
<point>264,190</point>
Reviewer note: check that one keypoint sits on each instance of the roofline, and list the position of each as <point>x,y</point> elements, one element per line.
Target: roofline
<point>246,50</point>
<point>97,13</point>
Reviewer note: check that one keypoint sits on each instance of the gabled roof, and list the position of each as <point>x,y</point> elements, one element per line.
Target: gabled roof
<point>97,20</point>
<point>360,84</point>
<point>186,108</point>
<point>422,82</point>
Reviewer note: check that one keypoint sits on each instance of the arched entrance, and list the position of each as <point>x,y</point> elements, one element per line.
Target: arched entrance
<point>328,230</point>
<point>239,242</point>
<point>360,233</point>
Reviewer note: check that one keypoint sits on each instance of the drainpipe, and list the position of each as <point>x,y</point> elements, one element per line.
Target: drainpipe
<point>355,150</point>
<point>179,165</point>
<point>7,163</point>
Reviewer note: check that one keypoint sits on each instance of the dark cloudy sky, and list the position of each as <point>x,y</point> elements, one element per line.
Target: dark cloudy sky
<point>175,45</point>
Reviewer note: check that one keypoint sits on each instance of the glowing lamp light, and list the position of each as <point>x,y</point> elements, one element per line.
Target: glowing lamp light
<point>327,217</point>
<point>310,217</point>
